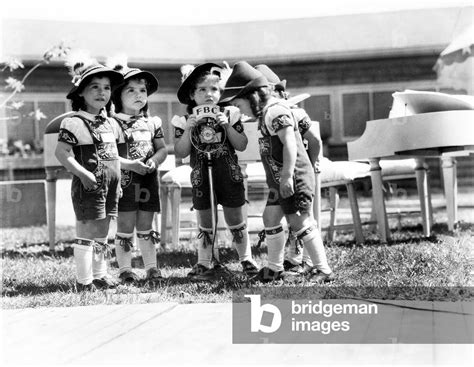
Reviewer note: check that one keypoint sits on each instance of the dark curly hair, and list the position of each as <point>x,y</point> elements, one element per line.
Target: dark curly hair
<point>78,102</point>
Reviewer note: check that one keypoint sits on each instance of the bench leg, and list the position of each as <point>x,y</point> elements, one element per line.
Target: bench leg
<point>355,213</point>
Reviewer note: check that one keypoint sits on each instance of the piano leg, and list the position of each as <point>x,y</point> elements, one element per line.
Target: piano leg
<point>378,200</point>
<point>448,165</point>
<point>423,194</point>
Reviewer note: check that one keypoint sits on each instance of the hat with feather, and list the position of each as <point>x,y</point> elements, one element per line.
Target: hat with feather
<point>190,74</point>
<point>82,68</point>
<point>119,63</point>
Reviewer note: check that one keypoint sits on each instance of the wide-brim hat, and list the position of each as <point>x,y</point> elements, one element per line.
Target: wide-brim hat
<point>184,90</point>
<point>94,70</point>
<point>271,77</point>
<point>151,81</point>
<point>244,79</point>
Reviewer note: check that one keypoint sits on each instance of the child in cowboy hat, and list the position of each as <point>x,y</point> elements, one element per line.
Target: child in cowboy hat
<point>143,149</point>
<point>202,85</point>
<point>91,136</point>
<point>288,170</point>
<point>296,260</point>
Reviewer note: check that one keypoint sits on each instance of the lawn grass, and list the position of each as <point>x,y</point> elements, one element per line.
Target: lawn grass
<point>35,277</point>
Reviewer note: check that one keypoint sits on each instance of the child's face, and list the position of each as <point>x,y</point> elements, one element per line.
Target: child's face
<point>206,92</point>
<point>243,105</point>
<point>96,94</point>
<point>134,97</point>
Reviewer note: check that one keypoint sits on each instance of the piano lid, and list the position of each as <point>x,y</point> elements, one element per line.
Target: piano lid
<point>412,102</point>
<point>436,131</point>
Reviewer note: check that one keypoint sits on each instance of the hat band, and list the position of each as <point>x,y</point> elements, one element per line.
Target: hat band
<point>230,88</point>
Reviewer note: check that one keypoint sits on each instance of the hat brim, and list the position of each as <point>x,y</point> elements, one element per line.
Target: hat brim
<point>114,76</point>
<point>188,83</point>
<point>151,81</point>
<point>236,92</point>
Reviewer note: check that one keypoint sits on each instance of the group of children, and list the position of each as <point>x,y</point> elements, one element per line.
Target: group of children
<point>114,156</point>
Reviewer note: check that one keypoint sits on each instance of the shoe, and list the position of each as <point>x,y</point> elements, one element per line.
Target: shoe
<point>249,268</point>
<point>215,273</point>
<point>266,275</point>
<point>289,266</point>
<point>106,282</point>
<point>318,276</point>
<point>129,277</point>
<point>85,287</point>
<point>307,269</point>
<point>153,275</point>
<point>197,269</point>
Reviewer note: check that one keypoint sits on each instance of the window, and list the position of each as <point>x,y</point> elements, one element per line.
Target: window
<point>356,112</point>
<point>319,109</point>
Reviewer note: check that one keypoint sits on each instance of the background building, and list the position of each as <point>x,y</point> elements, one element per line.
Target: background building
<point>350,64</point>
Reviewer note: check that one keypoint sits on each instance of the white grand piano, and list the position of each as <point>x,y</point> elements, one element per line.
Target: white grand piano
<point>421,124</point>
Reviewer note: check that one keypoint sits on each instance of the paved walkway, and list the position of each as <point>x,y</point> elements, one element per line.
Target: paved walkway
<point>197,334</point>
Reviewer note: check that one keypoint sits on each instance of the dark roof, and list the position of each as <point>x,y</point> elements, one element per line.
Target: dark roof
<point>424,31</point>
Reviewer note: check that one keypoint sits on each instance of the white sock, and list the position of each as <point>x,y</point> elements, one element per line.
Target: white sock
<point>83,260</point>
<point>275,239</point>
<point>292,253</point>
<point>147,248</point>
<point>241,241</point>
<point>124,258</point>
<point>313,242</point>
<point>306,257</point>
<point>205,248</point>
<point>99,262</point>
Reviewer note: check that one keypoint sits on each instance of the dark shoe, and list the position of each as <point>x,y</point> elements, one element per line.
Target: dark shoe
<point>289,266</point>
<point>129,277</point>
<point>307,269</point>
<point>85,287</point>
<point>266,275</point>
<point>319,277</point>
<point>106,282</point>
<point>197,269</point>
<point>215,273</point>
<point>153,275</point>
<point>249,268</point>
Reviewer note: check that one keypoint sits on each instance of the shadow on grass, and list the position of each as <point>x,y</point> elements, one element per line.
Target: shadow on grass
<point>12,289</point>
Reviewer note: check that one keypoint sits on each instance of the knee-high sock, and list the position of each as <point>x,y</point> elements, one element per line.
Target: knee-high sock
<point>205,246</point>
<point>241,241</point>
<point>313,242</point>
<point>306,258</point>
<point>99,262</point>
<point>123,250</point>
<point>83,260</point>
<point>147,248</point>
<point>275,238</point>
<point>293,253</point>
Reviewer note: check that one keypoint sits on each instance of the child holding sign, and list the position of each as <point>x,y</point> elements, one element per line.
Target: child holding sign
<point>208,128</point>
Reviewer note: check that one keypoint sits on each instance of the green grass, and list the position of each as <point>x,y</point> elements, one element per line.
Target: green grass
<point>35,277</point>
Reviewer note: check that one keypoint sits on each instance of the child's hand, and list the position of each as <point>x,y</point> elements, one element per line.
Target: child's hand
<point>151,166</point>
<point>222,119</point>
<point>88,180</point>
<point>139,167</point>
<point>286,186</point>
<point>191,121</point>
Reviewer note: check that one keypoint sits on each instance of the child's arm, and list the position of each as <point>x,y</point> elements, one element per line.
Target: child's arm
<point>315,144</point>
<point>160,155</point>
<point>238,139</point>
<point>182,145</point>
<point>63,154</point>
<point>136,165</point>
<point>288,139</point>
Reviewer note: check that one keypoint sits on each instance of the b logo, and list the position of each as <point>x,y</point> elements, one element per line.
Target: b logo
<point>256,313</point>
